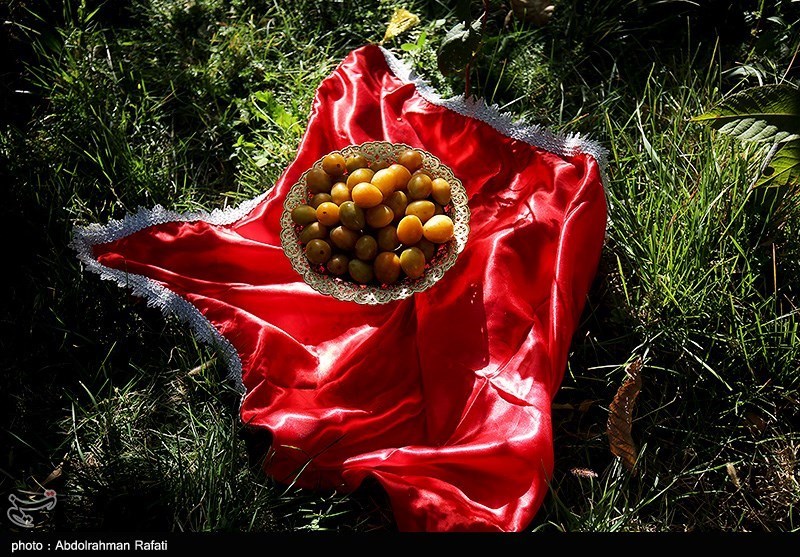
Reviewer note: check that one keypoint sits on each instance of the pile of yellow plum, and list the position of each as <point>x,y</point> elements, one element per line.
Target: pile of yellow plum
<point>373,223</point>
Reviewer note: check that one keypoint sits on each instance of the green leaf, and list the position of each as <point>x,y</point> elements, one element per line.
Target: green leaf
<point>418,46</point>
<point>459,47</point>
<point>283,118</point>
<point>273,111</point>
<point>263,96</point>
<point>783,169</point>
<point>769,113</point>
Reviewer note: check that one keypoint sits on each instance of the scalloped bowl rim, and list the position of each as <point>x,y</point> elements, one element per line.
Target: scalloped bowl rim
<point>371,294</point>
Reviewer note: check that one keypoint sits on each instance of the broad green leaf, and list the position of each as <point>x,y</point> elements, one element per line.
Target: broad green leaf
<point>401,21</point>
<point>418,46</point>
<point>784,167</point>
<point>459,46</point>
<point>769,113</point>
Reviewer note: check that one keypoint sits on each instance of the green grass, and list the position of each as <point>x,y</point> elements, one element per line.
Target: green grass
<point>201,104</point>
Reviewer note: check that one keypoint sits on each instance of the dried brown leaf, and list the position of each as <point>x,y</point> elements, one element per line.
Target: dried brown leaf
<point>733,475</point>
<point>620,416</point>
<point>54,475</point>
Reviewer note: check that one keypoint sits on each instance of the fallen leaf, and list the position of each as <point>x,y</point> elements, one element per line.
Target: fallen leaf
<point>620,416</point>
<point>401,21</point>
<point>53,476</point>
<point>732,474</point>
<point>201,368</point>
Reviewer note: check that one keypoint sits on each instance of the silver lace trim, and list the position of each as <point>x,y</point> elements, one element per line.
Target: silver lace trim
<point>564,145</point>
<point>156,295</point>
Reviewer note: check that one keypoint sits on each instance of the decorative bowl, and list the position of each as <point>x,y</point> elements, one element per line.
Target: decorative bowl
<point>344,289</point>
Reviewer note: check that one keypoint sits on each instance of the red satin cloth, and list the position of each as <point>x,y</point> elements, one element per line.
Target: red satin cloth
<point>444,397</point>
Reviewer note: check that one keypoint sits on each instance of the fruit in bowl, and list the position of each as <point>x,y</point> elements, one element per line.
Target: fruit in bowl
<point>375,222</point>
